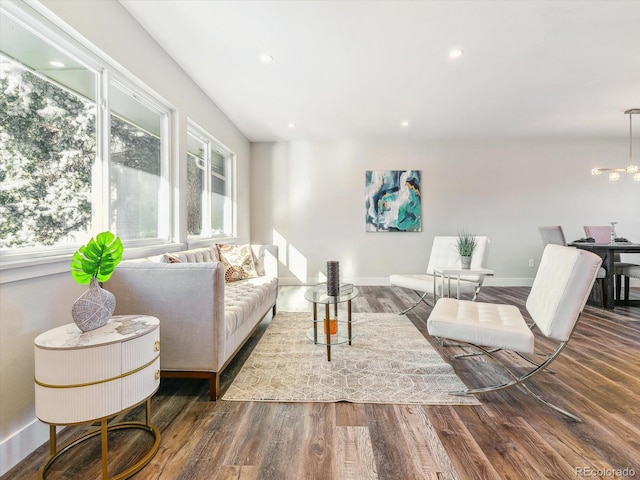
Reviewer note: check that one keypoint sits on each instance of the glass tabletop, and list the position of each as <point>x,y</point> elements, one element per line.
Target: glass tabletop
<point>318,294</point>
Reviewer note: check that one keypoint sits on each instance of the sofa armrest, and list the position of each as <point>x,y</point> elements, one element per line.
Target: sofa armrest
<point>267,262</point>
<point>187,298</point>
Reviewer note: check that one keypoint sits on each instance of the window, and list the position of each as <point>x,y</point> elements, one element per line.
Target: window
<point>209,185</point>
<point>81,150</point>
<point>47,141</point>
<point>136,165</point>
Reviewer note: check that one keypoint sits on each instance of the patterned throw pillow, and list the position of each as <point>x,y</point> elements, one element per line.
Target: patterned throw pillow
<point>238,262</point>
<point>168,258</point>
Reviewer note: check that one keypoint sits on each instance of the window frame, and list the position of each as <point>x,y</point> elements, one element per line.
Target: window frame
<point>30,262</point>
<point>213,143</point>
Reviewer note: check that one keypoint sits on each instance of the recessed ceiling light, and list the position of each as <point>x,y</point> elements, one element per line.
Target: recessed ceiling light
<point>55,63</point>
<point>404,124</point>
<point>266,58</point>
<point>291,125</point>
<point>457,53</point>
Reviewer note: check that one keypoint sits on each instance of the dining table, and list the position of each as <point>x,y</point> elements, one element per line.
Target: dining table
<point>606,251</point>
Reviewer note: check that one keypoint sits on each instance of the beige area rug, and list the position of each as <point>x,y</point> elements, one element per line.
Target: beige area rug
<point>389,361</point>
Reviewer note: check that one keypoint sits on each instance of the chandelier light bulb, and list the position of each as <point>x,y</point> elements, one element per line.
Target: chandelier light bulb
<point>632,169</point>
<point>636,177</point>
<point>596,171</point>
<point>614,176</point>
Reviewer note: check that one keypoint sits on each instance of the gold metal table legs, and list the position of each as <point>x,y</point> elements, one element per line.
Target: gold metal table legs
<point>102,431</point>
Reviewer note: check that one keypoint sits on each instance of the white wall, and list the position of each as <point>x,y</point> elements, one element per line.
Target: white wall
<point>309,197</point>
<point>31,306</point>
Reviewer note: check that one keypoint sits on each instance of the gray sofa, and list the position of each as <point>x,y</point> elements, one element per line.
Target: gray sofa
<point>203,320</point>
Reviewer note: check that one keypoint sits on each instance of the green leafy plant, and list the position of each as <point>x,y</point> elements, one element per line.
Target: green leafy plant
<point>466,244</point>
<point>98,258</point>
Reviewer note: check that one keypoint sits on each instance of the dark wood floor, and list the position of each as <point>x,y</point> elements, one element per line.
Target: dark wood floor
<point>510,436</point>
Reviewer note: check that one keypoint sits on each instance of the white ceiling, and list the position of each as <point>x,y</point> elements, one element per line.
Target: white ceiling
<point>357,69</point>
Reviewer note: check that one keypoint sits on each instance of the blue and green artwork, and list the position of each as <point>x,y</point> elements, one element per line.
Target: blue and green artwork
<point>393,201</point>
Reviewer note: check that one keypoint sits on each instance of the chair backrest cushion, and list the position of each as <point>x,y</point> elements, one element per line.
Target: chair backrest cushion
<point>444,253</point>
<point>553,234</point>
<point>601,234</point>
<point>561,288</point>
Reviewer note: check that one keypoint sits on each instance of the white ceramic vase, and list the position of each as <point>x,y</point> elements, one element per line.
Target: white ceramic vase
<point>93,308</point>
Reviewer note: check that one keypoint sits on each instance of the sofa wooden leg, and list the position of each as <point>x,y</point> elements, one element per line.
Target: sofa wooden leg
<point>274,309</point>
<point>213,377</point>
<point>214,386</point>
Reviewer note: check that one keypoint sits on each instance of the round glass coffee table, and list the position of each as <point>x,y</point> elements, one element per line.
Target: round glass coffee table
<point>332,334</point>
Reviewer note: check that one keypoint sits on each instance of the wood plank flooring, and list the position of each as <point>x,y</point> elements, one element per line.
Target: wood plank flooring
<point>509,436</point>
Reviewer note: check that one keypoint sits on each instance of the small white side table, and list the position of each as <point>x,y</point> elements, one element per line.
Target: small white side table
<point>448,272</point>
<point>84,377</point>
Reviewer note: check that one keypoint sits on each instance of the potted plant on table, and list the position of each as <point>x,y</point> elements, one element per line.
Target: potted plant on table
<point>93,263</point>
<point>466,245</point>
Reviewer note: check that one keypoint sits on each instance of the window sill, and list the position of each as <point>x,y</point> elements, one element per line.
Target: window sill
<point>196,242</point>
<point>24,267</point>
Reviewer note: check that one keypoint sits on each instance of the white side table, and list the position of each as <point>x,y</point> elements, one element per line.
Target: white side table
<point>84,377</point>
<point>448,272</point>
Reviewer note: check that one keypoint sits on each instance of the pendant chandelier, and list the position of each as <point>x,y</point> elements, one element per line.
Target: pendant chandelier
<point>614,173</point>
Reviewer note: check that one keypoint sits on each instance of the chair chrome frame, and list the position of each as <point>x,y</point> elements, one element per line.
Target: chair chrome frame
<point>517,380</point>
<point>421,299</point>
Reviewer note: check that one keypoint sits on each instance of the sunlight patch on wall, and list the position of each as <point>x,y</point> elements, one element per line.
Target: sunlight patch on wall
<point>297,263</point>
<point>291,257</point>
<point>281,242</point>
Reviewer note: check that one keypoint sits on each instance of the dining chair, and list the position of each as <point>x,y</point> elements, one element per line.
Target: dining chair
<point>560,289</point>
<point>555,235</point>
<point>602,234</point>
<point>444,254</point>
<point>629,271</point>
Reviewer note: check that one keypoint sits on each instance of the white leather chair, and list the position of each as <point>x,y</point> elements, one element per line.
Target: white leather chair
<point>445,254</point>
<point>558,295</point>
<point>555,235</point>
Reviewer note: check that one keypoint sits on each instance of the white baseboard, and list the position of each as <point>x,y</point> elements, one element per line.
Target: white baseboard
<point>373,281</point>
<point>22,443</point>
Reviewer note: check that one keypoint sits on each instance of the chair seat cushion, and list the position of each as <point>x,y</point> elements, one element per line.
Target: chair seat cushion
<point>486,324</point>
<point>631,271</point>
<point>424,283</point>
<point>620,267</point>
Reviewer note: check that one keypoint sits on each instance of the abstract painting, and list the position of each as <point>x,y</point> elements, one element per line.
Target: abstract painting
<point>393,201</point>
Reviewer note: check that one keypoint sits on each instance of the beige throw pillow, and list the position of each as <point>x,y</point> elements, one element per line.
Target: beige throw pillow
<point>238,262</point>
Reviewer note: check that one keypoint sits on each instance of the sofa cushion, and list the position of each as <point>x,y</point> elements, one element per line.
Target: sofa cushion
<point>238,262</point>
<point>243,298</point>
<point>196,255</point>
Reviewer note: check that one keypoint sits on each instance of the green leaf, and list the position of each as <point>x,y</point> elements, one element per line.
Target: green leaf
<point>98,258</point>
<point>466,243</point>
